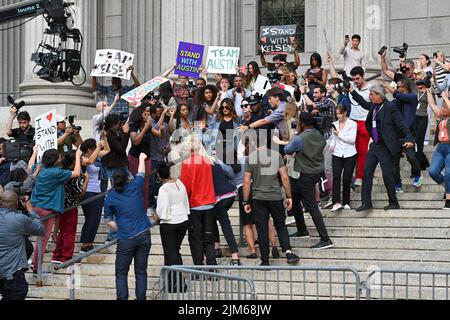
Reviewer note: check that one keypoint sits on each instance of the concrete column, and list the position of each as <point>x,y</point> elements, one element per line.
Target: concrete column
<point>11,63</point>
<point>341,17</point>
<point>208,22</point>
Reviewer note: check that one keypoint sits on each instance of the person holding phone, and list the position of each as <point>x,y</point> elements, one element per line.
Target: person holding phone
<point>343,147</point>
<point>353,56</point>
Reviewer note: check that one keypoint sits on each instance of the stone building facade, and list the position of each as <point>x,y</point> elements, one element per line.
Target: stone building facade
<point>151,30</point>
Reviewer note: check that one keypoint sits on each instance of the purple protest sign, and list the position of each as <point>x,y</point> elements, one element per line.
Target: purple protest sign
<point>189,59</point>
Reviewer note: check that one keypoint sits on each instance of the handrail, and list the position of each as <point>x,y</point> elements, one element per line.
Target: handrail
<point>39,281</point>
<point>97,249</point>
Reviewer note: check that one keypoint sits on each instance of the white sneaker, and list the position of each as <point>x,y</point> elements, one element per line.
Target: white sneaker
<point>329,204</point>
<point>337,207</point>
<point>347,207</point>
<point>358,183</point>
<point>290,221</point>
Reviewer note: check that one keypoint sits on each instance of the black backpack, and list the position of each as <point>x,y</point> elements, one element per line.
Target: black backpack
<point>15,150</point>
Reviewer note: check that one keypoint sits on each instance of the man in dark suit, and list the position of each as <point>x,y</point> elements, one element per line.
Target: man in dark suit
<point>389,133</point>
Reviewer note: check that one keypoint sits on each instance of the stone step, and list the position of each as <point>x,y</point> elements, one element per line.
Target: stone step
<point>428,197</point>
<point>407,204</point>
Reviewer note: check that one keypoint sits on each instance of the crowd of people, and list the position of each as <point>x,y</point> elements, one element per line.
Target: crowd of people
<point>280,153</point>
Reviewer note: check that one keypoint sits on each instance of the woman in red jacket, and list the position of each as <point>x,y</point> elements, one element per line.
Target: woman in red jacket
<point>196,175</point>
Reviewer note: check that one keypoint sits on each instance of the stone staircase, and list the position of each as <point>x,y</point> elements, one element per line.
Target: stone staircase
<point>417,236</point>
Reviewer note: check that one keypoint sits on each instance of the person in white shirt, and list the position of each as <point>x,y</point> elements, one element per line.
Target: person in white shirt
<point>172,211</point>
<point>103,110</point>
<point>343,147</point>
<point>238,93</point>
<point>353,56</point>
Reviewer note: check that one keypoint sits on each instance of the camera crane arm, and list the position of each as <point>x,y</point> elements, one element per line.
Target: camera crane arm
<point>55,9</point>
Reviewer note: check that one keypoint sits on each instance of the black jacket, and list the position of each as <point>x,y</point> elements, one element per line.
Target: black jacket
<point>393,130</point>
<point>118,143</point>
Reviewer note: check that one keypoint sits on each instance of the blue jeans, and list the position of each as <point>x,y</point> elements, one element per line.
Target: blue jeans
<point>153,189</point>
<point>441,161</point>
<point>112,235</point>
<point>137,248</point>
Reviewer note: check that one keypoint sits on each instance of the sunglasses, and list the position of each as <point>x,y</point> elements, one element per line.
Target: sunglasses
<point>245,105</point>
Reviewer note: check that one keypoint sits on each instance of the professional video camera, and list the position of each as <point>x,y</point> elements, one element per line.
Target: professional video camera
<point>274,77</point>
<point>72,123</point>
<point>154,95</point>
<point>191,85</point>
<point>16,150</point>
<point>323,123</point>
<point>402,51</point>
<point>427,81</point>
<point>347,81</point>
<point>18,105</point>
<point>58,57</point>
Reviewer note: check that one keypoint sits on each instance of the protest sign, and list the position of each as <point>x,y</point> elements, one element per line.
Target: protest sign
<point>113,63</point>
<point>289,89</point>
<point>262,85</point>
<point>278,39</point>
<point>189,59</point>
<point>328,43</point>
<point>136,95</point>
<point>46,133</point>
<point>223,60</point>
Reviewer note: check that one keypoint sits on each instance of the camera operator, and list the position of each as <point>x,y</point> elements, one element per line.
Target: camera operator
<point>387,129</point>
<point>325,108</point>
<point>25,131</point>
<point>116,87</point>
<point>14,228</point>
<point>67,136</point>
<point>308,148</point>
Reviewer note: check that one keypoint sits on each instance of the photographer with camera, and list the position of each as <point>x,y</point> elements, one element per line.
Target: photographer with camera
<point>14,228</point>
<point>25,131</point>
<point>308,148</point>
<point>67,136</point>
<point>116,87</point>
<point>390,134</point>
<point>324,109</point>
<point>407,104</point>
<point>406,69</point>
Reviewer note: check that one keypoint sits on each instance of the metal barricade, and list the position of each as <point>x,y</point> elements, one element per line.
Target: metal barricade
<point>184,283</point>
<point>407,284</point>
<point>286,283</point>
